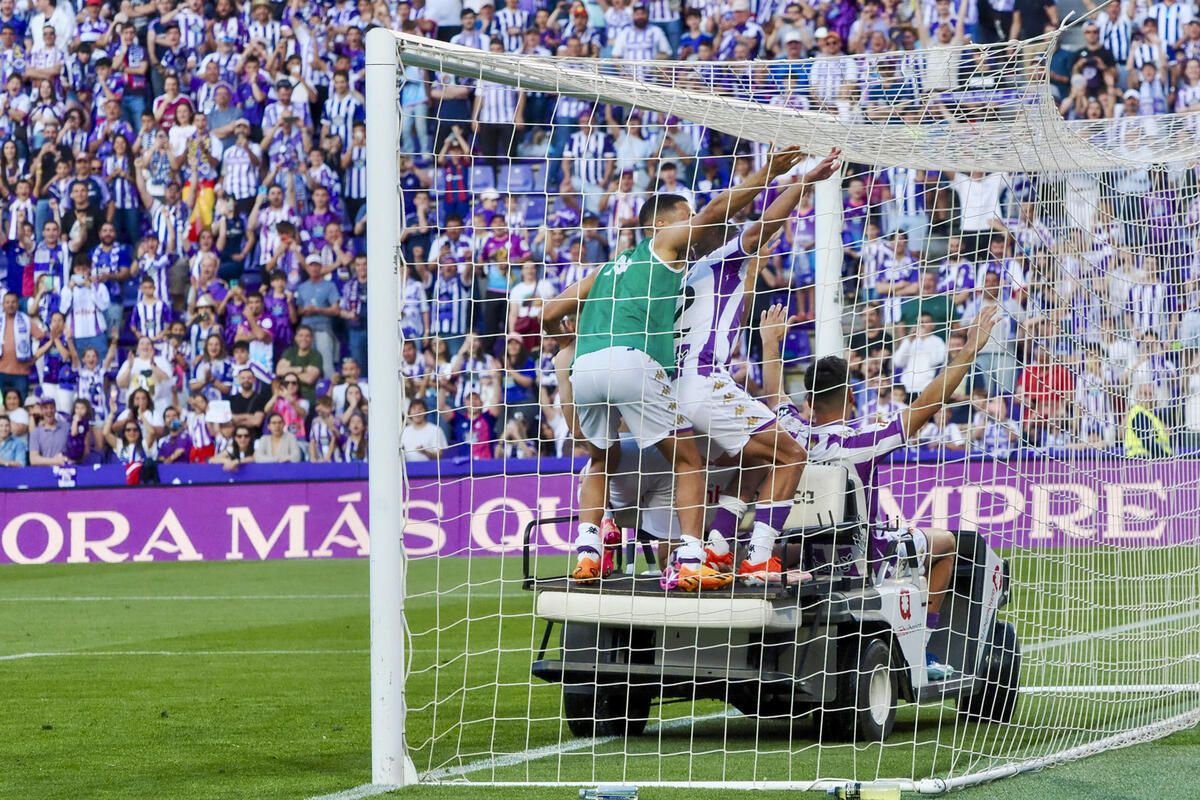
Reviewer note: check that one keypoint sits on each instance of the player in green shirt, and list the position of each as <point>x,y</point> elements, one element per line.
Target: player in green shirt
<point>625,359</point>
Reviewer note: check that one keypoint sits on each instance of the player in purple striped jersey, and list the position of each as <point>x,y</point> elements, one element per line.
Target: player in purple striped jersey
<point>829,439</point>
<point>709,317</point>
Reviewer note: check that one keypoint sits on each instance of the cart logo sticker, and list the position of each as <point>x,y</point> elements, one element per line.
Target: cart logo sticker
<point>905,604</point>
<point>996,578</point>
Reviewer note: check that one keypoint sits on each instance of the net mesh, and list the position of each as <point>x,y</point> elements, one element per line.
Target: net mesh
<point>1066,445</point>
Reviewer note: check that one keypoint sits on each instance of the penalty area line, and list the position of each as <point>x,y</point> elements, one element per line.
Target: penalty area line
<point>358,792</point>
<point>120,653</point>
<point>536,753</point>
<point>1037,647</point>
<point>179,597</point>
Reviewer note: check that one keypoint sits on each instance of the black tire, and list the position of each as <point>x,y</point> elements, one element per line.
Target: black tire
<point>864,708</point>
<point>996,700</point>
<point>605,711</point>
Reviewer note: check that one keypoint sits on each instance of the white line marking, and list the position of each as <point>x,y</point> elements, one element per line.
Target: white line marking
<point>536,753</point>
<point>118,653</point>
<point>1126,688</point>
<point>1128,626</point>
<point>358,792</point>
<point>153,597</point>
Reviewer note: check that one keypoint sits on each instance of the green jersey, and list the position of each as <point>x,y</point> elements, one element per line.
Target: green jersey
<point>632,304</point>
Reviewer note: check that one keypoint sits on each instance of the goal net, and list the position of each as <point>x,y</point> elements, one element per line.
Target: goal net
<point>989,558</point>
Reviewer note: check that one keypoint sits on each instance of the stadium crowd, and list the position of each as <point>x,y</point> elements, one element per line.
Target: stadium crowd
<point>182,187</point>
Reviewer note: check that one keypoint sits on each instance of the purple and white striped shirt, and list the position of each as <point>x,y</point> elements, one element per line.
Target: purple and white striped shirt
<point>509,19</point>
<point>710,309</point>
<point>858,449</point>
<point>239,176</point>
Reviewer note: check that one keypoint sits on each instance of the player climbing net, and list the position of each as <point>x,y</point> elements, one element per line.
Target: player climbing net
<point>1066,448</point>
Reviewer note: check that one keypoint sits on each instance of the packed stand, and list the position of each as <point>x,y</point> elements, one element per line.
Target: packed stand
<point>511,196</point>
<point>183,194</point>
<point>183,190</point>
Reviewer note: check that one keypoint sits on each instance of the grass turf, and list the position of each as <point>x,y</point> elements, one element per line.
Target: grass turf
<point>237,680</point>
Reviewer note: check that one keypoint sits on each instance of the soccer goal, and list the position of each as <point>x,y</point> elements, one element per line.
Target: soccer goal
<point>990,560</point>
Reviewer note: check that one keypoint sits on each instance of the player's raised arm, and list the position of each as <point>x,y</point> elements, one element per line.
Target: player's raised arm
<point>705,229</point>
<point>938,392</point>
<point>772,328</point>
<point>777,213</point>
<point>566,304</point>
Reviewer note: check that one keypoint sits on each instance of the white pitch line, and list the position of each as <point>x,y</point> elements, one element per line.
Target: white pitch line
<point>119,653</point>
<point>1128,626</point>
<point>536,753</point>
<point>155,597</point>
<point>358,792</point>
<point>1129,688</point>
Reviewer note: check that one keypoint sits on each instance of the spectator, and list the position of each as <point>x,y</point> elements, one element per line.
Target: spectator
<point>278,445</point>
<point>354,448</point>
<point>325,433</point>
<point>1145,434</point>
<point>351,376</point>
<point>249,403</point>
<point>48,436</point>
<point>921,356</point>
<point>13,452</point>
<point>302,361</point>
<point>318,304</point>
<point>420,440</point>
<point>240,450</point>
<point>18,331</point>
<point>145,369</point>
<point>176,445</point>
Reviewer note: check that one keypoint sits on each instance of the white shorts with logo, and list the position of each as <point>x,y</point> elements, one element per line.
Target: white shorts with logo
<point>721,409</point>
<point>624,383</point>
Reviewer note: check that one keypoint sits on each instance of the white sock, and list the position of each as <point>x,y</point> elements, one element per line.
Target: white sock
<point>716,543</point>
<point>690,549</point>
<point>762,543</point>
<point>733,505</point>
<point>587,540</point>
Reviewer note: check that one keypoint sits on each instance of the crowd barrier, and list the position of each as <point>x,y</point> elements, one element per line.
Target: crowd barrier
<point>481,508</point>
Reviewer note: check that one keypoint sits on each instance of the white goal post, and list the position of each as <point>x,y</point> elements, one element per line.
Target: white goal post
<point>1093,581</point>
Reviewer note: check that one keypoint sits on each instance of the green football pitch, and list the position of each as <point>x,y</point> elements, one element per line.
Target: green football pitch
<point>250,680</point>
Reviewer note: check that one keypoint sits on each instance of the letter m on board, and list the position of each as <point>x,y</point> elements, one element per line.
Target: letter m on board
<point>242,520</point>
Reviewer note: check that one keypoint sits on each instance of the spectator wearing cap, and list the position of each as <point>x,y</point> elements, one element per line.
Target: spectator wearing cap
<point>793,49</point>
<point>48,438</point>
<point>354,310</point>
<point>740,29</point>
<point>240,168</point>
<point>317,303</point>
<point>275,112</point>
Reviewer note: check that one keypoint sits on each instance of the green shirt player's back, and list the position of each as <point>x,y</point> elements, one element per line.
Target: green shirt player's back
<point>632,304</point>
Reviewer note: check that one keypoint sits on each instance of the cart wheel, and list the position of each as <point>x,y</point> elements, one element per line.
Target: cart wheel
<point>605,711</point>
<point>1001,672</point>
<point>864,709</point>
